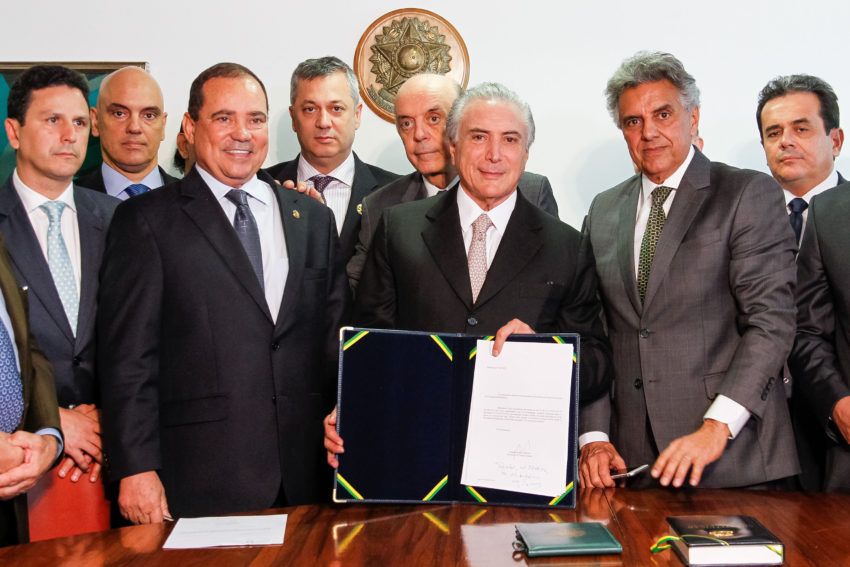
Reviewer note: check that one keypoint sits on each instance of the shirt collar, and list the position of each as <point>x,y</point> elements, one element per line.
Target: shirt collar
<point>343,173</point>
<point>432,189</point>
<point>116,182</point>
<point>828,183</point>
<point>673,181</point>
<point>256,188</point>
<point>469,210</point>
<point>32,199</point>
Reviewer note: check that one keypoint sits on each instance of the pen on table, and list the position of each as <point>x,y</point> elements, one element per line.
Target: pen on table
<point>167,518</point>
<point>634,472</point>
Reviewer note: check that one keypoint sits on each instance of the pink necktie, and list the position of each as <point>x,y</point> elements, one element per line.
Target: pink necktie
<point>477,257</point>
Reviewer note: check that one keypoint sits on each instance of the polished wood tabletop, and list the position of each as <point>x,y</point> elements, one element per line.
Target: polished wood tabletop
<point>815,529</point>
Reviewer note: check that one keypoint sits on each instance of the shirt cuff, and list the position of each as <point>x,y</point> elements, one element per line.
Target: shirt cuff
<point>592,437</point>
<point>60,444</point>
<point>728,411</point>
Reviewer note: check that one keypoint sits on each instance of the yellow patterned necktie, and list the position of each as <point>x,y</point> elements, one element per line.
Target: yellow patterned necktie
<point>654,226</point>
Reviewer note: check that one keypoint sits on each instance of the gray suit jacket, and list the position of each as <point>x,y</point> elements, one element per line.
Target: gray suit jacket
<point>534,187</point>
<point>72,356</point>
<point>718,319</point>
<point>820,360</point>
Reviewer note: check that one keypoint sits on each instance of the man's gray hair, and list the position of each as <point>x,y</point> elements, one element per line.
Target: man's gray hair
<point>488,91</point>
<point>322,67</point>
<point>650,67</point>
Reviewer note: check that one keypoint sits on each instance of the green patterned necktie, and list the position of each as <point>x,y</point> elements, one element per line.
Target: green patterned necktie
<point>654,226</point>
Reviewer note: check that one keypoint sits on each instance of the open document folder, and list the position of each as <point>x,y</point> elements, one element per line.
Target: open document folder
<point>435,418</point>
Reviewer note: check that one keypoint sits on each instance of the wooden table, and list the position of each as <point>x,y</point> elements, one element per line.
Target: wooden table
<point>815,529</point>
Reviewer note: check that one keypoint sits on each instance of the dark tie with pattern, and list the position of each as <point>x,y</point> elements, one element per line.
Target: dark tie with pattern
<point>11,391</point>
<point>246,230</point>
<point>654,226</point>
<point>136,189</point>
<point>321,182</point>
<point>797,206</point>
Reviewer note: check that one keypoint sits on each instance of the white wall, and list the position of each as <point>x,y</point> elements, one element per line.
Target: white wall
<point>558,55</point>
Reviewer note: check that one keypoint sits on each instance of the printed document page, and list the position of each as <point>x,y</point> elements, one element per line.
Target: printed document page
<point>519,418</point>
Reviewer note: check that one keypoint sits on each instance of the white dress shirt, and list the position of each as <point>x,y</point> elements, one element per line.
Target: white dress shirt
<point>116,182</point>
<point>722,409</point>
<point>32,201</point>
<point>499,216</point>
<point>338,192</point>
<point>828,183</point>
<point>432,189</point>
<point>264,207</point>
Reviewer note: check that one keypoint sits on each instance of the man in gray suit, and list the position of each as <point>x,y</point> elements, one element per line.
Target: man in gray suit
<point>821,356</point>
<point>421,107</point>
<point>696,267</point>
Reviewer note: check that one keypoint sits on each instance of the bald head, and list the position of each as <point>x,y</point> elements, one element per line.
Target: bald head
<point>130,120</point>
<point>421,107</point>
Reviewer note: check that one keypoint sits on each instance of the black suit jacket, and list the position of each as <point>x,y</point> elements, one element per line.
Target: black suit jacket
<point>417,278</point>
<point>94,179</point>
<point>536,188</point>
<point>367,178</point>
<point>72,357</point>
<point>820,359</point>
<point>40,407</point>
<point>199,384</point>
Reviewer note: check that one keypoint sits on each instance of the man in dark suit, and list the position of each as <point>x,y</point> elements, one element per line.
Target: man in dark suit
<point>798,121</point>
<point>479,258</point>
<point>37,430</point>
<point>129,119</point>
<point>698,297</point>
<point>820,358</point>
<point>217,341</point>
<point>62,302</point>
<point>421,107</point>
<point>325,110</point>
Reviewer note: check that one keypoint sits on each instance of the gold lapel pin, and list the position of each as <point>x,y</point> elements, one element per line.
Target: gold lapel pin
<point>296,214</point>
<point>359,208</point>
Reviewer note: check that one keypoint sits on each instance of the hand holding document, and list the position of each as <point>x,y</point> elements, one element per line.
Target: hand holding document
<point>519,418</point>
<point>227,531</point>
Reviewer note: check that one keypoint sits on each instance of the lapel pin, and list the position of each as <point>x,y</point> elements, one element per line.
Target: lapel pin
<point>296,214</point>
<point>359,208</point>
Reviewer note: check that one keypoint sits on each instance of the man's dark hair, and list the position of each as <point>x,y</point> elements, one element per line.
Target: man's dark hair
<point>219,70</point>
<point>781,86</point>
<point>41,77</point>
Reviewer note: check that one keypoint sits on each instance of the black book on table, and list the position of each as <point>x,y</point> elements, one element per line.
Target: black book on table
<point>402,411</point>
<point>724,540</point>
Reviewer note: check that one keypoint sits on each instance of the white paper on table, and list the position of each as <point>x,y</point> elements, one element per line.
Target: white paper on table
<point>226,531</point>
<point>519,418</point>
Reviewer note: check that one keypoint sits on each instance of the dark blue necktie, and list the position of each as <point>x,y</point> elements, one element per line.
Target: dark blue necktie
<point>136,189</point>
<point>11,391</point>
<point>797,206</point>
<point>246,230</point>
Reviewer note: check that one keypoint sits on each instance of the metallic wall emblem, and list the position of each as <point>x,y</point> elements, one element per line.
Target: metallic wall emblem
<point>401,44</point>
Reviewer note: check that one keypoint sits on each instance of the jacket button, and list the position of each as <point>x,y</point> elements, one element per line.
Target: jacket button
<point>275,346</point>
<point>77,361</point>
<point>638,384</point>
<point>644,333</point>
<point>472,321</point>
<point>274,399</point>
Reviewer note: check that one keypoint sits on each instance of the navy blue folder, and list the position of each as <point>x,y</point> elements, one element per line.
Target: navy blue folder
<point>403,405</point>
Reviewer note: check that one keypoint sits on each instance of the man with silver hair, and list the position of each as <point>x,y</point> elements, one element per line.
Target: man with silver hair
<point>325,109</point>
<point>696,271</point>
<point>480,258</point>
<point>421,108</point>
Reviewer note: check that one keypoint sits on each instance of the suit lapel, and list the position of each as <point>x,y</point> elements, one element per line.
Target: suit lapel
<point>692,192</point>
<point>362,185</point>
<point>445,243</point>
<point>27,256</point>
<point>626,241</point>
<point>92,226</point>
<point>201,206</point>
<point>518,246</point>
<point>415,189</point>
<point>295,228</point>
